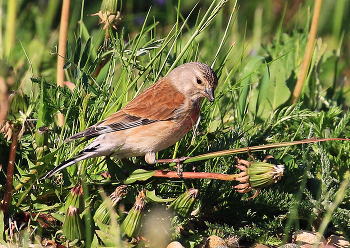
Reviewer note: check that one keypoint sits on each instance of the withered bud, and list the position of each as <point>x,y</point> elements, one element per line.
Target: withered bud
<point>72,210</point>
<point>257,175</point>
<point>118,194</point>
<point>140,201</point>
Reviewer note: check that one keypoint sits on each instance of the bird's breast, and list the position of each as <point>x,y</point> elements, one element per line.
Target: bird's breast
<point>191,115</point>
<point>195,113</point>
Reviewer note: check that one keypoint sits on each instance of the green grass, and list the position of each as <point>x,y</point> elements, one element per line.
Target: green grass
<point>257,61</point>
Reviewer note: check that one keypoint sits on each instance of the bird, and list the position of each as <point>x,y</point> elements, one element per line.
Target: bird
<point>154,120</point>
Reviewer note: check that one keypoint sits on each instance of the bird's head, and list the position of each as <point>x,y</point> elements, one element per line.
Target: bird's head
<point>195,80</point>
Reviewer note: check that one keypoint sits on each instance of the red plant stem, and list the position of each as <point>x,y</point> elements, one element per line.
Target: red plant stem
<point>10,172</point>
<point>195,175</point>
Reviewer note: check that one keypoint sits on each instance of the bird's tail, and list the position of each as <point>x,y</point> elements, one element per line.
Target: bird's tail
<point>64,164</point>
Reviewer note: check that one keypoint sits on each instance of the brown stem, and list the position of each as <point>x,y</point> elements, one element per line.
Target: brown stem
<point>100,66</point>
<point>62,50</point>
<point>308,52</point>
<point>104,60</point>
<point>10,172</point>
<point>256,148</point>
<point>195,175</point>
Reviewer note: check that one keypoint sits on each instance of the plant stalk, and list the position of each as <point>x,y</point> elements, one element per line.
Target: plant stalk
<point>10,172</point>
<point>105,60</point>
<point>308,53</point>
<point>195,175</point>
<point>10,32</point>
<point>62,50</point>
<point>255,148</point>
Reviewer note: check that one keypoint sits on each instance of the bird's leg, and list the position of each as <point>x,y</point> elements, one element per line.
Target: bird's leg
<point>174,160</point>
<point>150,158</point>
<point>179,171</point>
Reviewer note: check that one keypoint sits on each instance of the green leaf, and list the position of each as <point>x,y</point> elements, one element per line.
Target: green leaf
<point>245,84</point>
<point>85,81</point>
<point>58,217</point>
<point>44,117</point>
<point>49,157</point>
<point>44,207</point>
<point>93,90</point>
<point>112,229</point>
<point>68,50</point>
<point>277,93</point>
<point>139,175</point>
<point>114,170</point>
<point>77,51</point>
<point>149,47</point>
<point>67,65</point>
<point>60,102</point>
<point>152,196</point>
<point>35,80</point>
<point>108,239</point>
<point>77,73</point>
<point>86,53</point>
<point>263,86</point>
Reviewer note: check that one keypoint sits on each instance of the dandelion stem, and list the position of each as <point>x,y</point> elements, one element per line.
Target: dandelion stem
<point>195,175</point>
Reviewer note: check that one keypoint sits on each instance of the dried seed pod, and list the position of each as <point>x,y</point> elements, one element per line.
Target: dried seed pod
<point>109,14</point>
<point>257,175</point>
<point>183,205</point>
<point>132,223</point>
<point>75,198</point>
<point>102,213</point>
<point>73,226</point>
<point>263,174</point>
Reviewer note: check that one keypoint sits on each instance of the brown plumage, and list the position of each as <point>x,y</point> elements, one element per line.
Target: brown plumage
<point>154,120</point>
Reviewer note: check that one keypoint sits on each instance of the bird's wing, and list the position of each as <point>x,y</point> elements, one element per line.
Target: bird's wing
<point>157,103</point>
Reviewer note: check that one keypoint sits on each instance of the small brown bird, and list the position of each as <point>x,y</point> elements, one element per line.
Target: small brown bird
<point>154,120</point>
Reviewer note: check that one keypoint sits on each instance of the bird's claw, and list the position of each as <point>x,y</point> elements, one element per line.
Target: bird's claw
<point>178,162</point>
<point>179,172</point>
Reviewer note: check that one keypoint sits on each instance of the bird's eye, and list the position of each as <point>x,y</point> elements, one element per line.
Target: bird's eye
<point>199,81</point>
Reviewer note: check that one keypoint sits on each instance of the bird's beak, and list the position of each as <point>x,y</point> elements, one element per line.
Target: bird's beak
<point>209,93</point>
